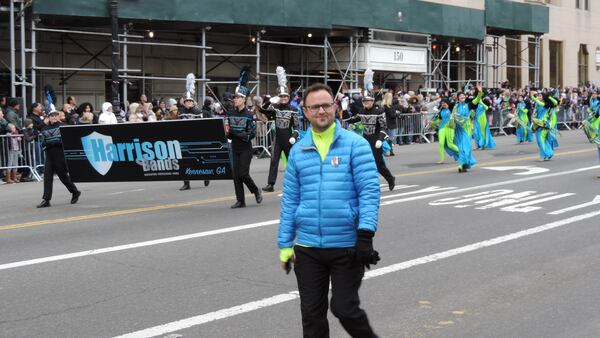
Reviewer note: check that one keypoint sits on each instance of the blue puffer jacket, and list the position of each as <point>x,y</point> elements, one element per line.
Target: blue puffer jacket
<point>325,202</point>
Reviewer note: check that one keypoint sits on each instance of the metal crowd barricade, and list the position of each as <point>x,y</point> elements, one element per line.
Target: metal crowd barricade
<point>30,155</point>
<point>414,124</point>
<point>265,134</point>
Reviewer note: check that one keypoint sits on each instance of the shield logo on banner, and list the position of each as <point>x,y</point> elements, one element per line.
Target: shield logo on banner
<point>94,146</point>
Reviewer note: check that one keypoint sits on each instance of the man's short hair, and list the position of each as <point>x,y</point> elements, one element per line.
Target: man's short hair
<point>316,87</point>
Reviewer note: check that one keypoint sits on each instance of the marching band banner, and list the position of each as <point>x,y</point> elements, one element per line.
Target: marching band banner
<point>156,151</point>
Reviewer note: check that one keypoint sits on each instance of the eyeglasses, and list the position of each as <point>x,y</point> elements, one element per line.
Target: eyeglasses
<point>315,108</point>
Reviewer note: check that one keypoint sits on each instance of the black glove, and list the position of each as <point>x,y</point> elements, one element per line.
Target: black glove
<point>365,254</point>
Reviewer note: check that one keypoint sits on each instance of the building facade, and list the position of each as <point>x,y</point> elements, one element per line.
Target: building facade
<point>409,43</point>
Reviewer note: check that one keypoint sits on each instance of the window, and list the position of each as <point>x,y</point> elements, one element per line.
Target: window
<point>582,61</point>
<point>532,63</point>
<point>513,60</point>
<point>582,4</point>
<point>556,63</point>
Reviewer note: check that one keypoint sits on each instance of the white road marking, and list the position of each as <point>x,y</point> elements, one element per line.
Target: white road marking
<point>529,170</point>
<point>285,297</point>
<point>527,207</point>
<point>489,185</point>
<point>428,189</point>
<point>135,245</point>
<point>595,201</point>
<point>122,192</point>
<point>253,225</point>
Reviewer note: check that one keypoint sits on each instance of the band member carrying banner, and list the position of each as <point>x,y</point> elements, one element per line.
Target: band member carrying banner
<point>55,161</point>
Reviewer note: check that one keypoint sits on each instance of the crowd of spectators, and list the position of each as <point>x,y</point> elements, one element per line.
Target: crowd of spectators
<point>407,114</point>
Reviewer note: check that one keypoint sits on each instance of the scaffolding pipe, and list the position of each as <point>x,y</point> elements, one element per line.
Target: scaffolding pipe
<point>325,60</point>
<point>448,66</point>
<point>114,15</point>
<point>11,28</point>
<point>537,61</point>
<point>105,70</point>
<point>159,44</point>
<point>125,96</point>
<point>258,41</point>
<point>84,32</point>
<point>142,77</point>
<point>203,53</point>
<point>294,75</point>
<point>232,54</point>
<point>291,44</point>
<point>23,109</point>
<point>33,61</point>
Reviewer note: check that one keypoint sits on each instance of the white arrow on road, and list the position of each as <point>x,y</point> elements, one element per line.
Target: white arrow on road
<point>529,170</point>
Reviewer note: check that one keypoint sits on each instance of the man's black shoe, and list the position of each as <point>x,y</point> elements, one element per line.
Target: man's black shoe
<point>258,197</point>
<point>75,197</point>
<point>268,188</point>
<point>185,186</point>
<point>44,204</point>
<point>206,183</point>
<point>238,204</point>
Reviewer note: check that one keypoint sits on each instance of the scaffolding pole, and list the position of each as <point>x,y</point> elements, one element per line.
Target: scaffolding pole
<point>13,75</point>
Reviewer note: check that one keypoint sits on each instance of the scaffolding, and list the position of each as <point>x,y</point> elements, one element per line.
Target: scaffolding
<point>496,44</point>
<point>450,63</point>
<point>442,65</point>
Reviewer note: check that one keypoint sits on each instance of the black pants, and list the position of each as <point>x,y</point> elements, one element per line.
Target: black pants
<point>55,164</point>
<point>278,146</point>
<point>241,173</point>
<point>381,167</point>
<point>314,268</point>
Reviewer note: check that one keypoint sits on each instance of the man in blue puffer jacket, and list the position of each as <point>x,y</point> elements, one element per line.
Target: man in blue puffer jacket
<point>329,214</point>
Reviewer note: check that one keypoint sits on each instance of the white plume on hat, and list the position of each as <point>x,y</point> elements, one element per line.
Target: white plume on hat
<point>281,81</point>
<point>368,84</point>
<point>190,83</point>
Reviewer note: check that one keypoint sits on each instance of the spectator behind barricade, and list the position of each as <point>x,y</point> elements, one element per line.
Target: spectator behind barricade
<point>146,106</point>
<point>173,113</point>
<point>227,102</point>
<point>86,118</point>
<point>37,116</point>
<point>72,104</point>
<point>12,113</point>
<point>14,153</point>
<point>391,118</point>
<point>3,123</point>
<point>207,107</point>
<point>161,111</point>
<point>136,113</point>
<point>87,108</point>
<point>66,116</point>
<point>107,116</point>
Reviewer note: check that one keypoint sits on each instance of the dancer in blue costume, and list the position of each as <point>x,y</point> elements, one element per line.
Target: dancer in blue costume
<point>481,127</point>
<point>445,130</point>
<point>524,134</point>
<point>461,116</point>
<point>544,124</point>
<point>591,126</point>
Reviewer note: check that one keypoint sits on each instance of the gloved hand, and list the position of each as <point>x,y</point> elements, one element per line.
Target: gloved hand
<point>292,140</point>
<point>378,144</point>
<point>365,254</point>
<point>286,257</point>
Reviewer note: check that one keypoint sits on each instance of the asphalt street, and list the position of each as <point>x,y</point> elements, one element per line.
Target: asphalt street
<point>509,249</point>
